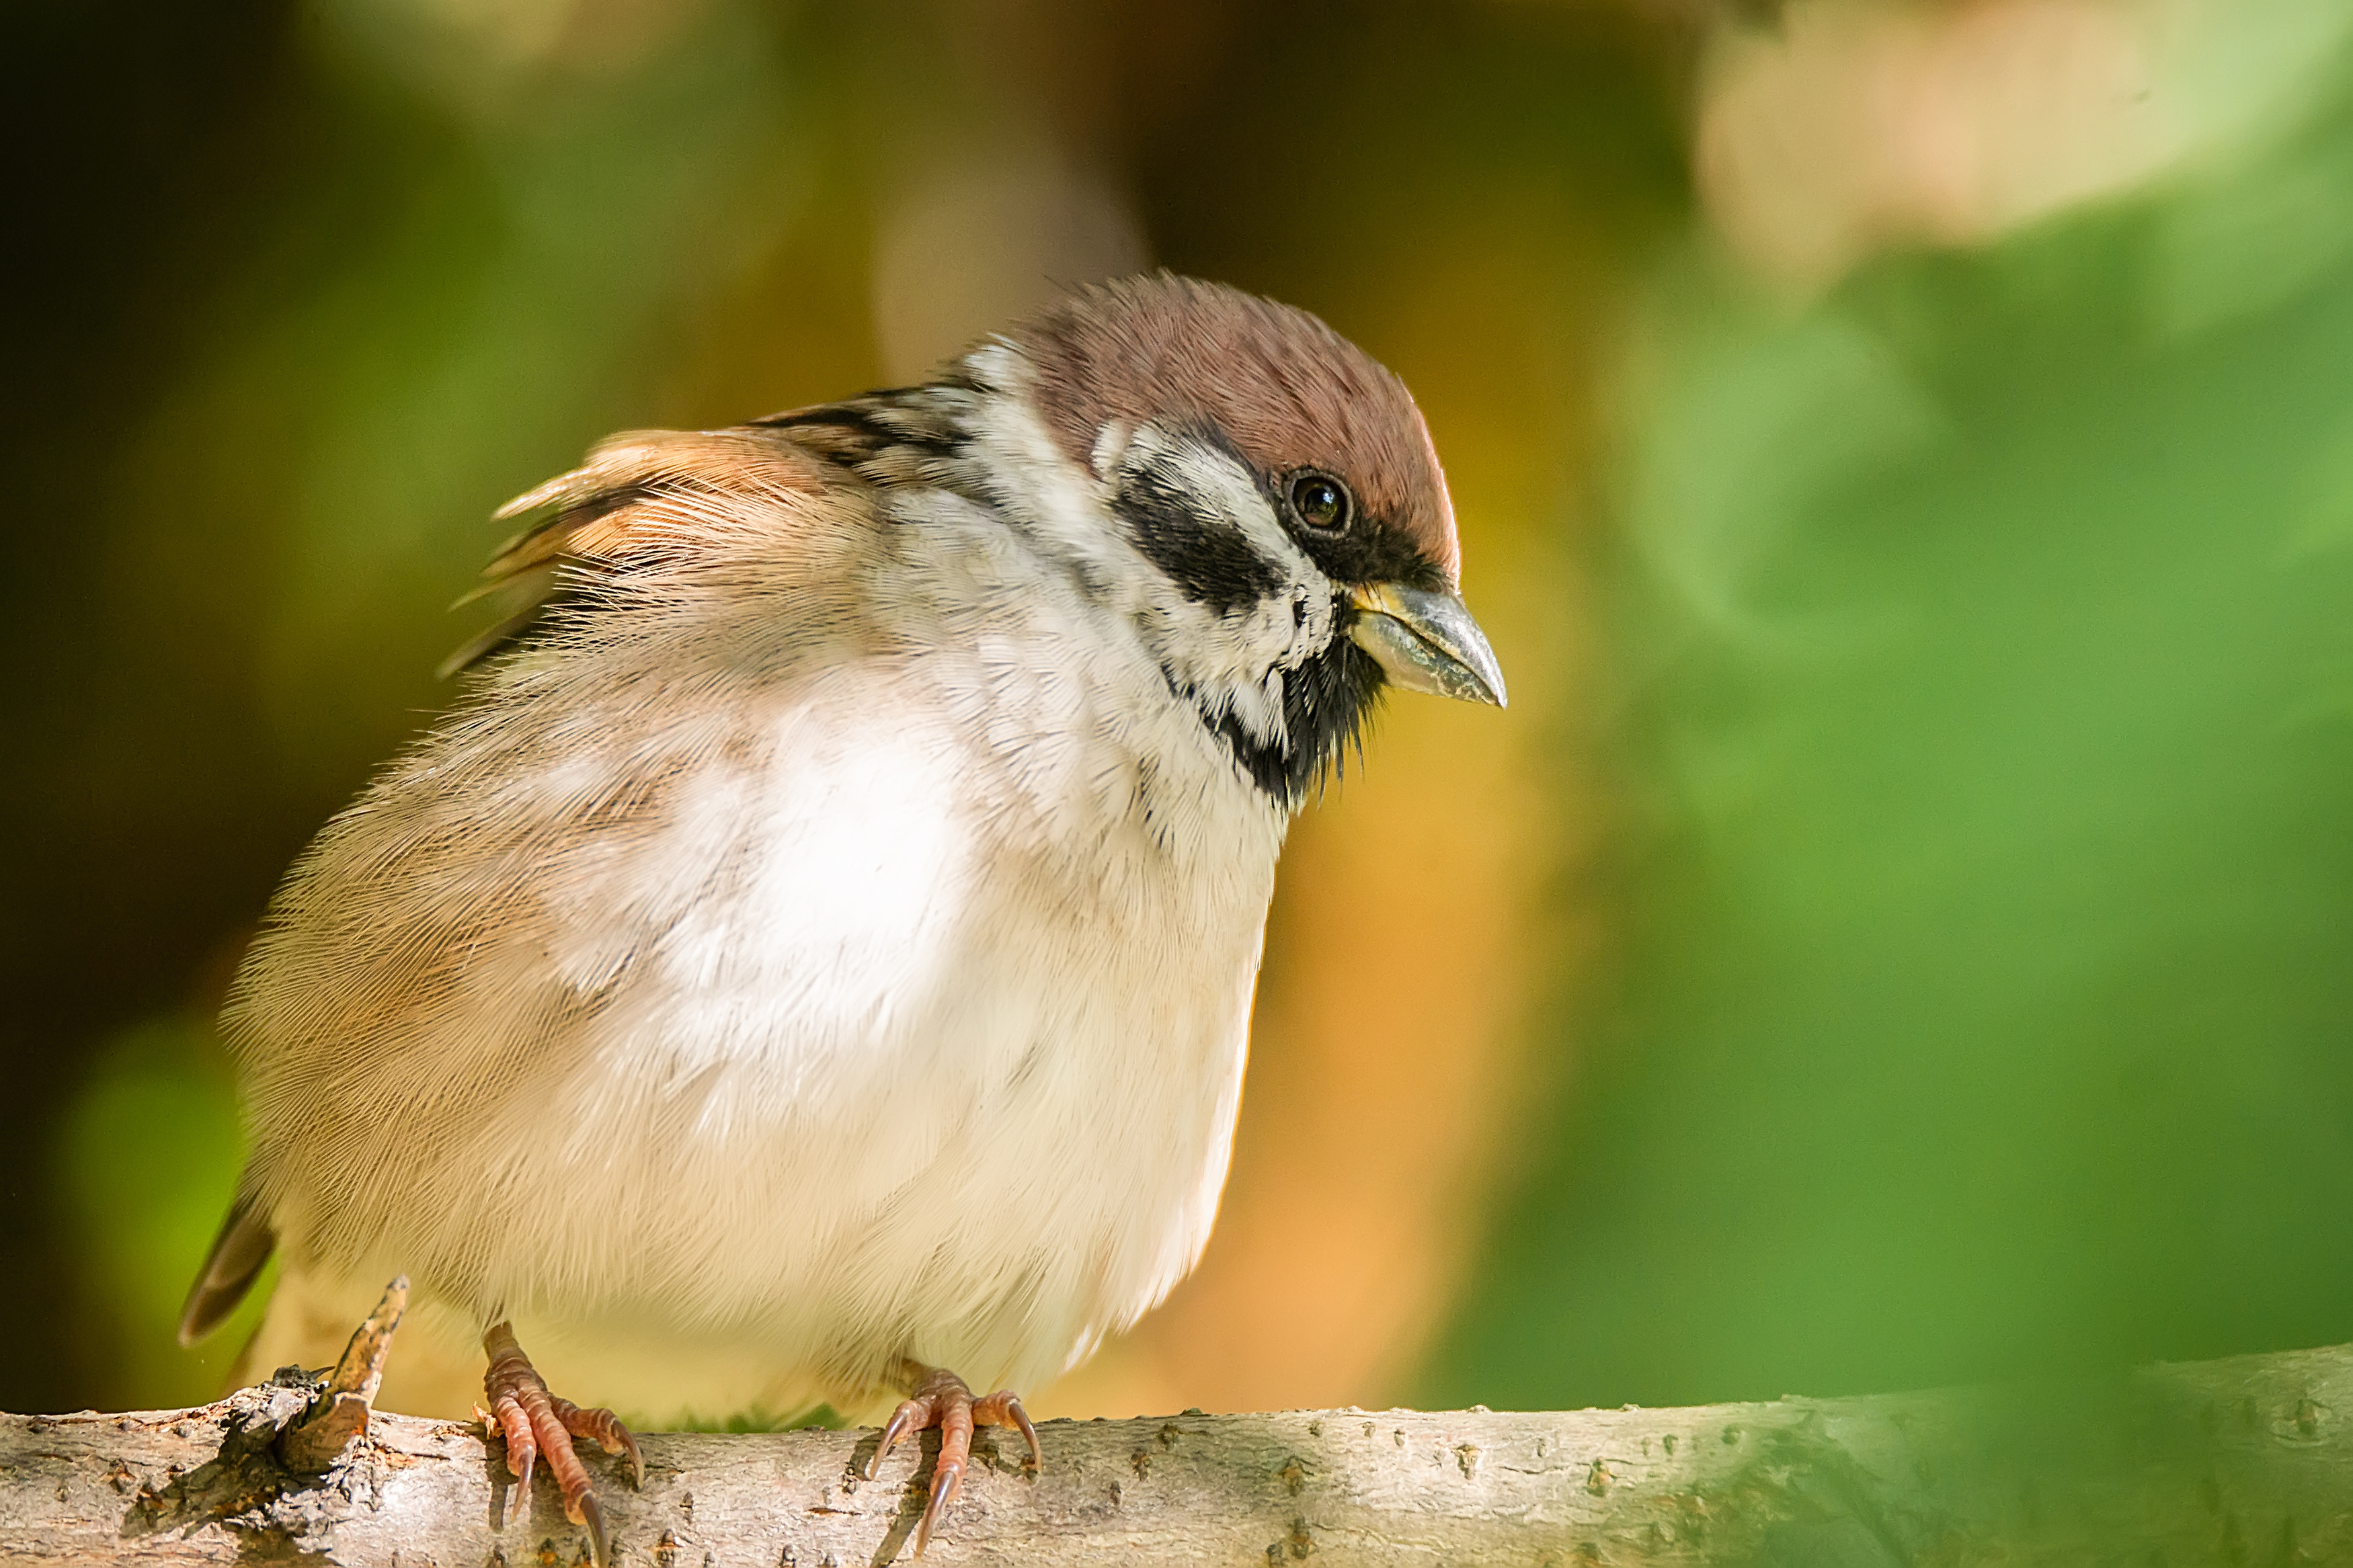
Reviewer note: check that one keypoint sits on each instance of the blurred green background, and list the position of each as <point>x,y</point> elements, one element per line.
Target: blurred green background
<point>1903,931</point>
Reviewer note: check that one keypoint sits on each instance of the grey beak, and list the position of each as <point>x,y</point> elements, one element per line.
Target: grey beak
<point>1427,642</point>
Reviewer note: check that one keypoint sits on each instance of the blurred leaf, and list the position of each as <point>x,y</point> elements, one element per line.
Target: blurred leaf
<point>1988,893</point>
<point>145,1164</point>
<point>505,295</point>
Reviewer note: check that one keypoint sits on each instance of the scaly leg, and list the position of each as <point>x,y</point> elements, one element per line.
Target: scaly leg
<point>533,1421</point>
<point>941,1399</point>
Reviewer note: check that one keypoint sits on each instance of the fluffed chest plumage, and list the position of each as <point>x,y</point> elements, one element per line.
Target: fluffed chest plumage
<point>873,902</point>
<point>944,1056</point>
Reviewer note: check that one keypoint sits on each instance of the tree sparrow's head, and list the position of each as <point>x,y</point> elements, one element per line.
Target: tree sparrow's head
<point>1277,517</point>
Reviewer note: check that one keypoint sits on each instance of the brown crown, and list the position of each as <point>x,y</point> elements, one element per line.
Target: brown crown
<point>1283,387</point>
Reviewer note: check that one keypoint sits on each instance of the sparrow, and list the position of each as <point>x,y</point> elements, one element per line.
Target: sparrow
<point>812,964</point>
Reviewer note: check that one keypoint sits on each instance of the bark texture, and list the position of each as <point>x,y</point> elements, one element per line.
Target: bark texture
<point>2241,1461</point>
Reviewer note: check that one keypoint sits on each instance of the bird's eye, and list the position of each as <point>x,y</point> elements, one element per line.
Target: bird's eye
<point>1320,501</point>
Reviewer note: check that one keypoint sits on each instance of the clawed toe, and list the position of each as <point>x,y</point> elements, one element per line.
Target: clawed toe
<point>604,1429</point>
<point>1003,1408</point>
<point>534,1422</point>
<point>941,1399</point>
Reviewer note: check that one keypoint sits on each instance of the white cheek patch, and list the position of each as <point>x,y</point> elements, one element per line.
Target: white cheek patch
<point>1314,608</point>
<point>1229,657</point>
<point>1241,603</point>
<point>1222,491</point>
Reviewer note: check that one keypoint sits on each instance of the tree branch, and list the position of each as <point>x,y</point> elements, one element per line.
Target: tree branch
<point>2242,1461</point>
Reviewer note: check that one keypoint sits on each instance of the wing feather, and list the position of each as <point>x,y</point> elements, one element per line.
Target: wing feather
<point>639,496</point>
<point>243,1245</point>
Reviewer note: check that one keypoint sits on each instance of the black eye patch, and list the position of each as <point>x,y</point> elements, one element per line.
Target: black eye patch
<point>1369,552</point>
<point>1203,552</point>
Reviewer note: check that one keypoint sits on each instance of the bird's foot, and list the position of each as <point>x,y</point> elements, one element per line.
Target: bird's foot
<point>533,1421</point>
<point>941,1399</point>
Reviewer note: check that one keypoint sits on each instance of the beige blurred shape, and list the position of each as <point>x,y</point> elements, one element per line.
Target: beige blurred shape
<point>475,55</point>
<point>988,237</point>
<point>520,31</point>
<point>1856,126</point>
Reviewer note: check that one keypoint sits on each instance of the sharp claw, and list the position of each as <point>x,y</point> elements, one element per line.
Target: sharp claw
<point>637,1459</point>
<point>1004,1408</point>
<point>522,1474</point>
<point>947,1481</point>
<point>609,1434</point>
<point>590,1514</point>
<point>903,1421</point>
<point>1029,1434</point>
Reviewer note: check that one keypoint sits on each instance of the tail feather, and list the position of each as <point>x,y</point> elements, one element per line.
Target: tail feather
<point>243,1245</point>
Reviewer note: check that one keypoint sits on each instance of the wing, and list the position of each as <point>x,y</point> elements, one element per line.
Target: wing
<point>415,1020</point>
<point>642,496</point>
<point>639,496</point>
<point>243,1245</point>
